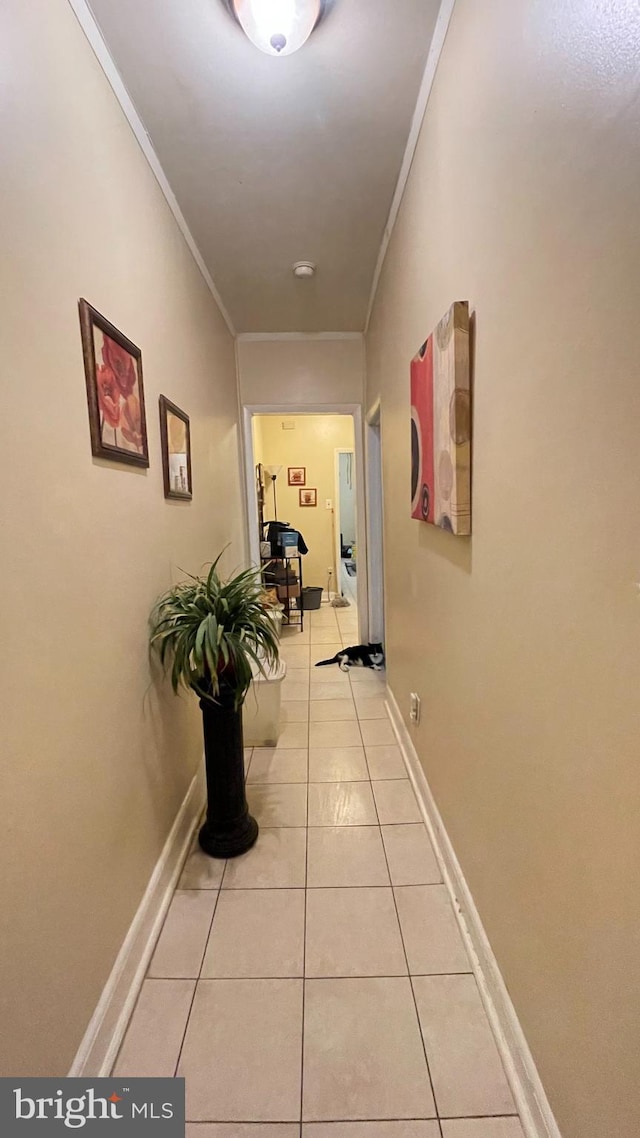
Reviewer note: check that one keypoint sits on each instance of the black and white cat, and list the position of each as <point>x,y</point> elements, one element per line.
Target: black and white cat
<point>361,655</point>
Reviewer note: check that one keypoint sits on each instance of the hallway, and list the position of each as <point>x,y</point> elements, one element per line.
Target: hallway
<point>418,219</point>
<point>343,889</point>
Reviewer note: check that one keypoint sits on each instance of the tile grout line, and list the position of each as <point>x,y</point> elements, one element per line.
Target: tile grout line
<point>298,889</point>
<point>213,915</point>
<point>195,986</point>
<point>330,781</point>
<point>406,957</point>
<point>349,976</point>
<point>304,978</point>
<point>475,1117</point>
<point>332,825</point>
<point>162,978</point>
<point>186,1022</point>
<point>206,942</point>
<point>204,953</point>
<point>333,1122</point>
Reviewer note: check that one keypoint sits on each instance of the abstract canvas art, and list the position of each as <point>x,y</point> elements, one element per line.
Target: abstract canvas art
<point>115,395</point>
<point>441,425</point>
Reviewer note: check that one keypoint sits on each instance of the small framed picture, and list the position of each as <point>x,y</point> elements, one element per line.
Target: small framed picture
<point>176,450</point>
<point>115,395</point>
<point>297,475</point>
<point>308,497</point>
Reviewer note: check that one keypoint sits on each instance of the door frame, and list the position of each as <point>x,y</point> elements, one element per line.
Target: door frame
<point>287,410</point>
<point>376,617</point>
<point>336,477</point>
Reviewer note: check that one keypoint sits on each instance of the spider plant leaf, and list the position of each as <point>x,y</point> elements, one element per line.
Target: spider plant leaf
<point>204,625</point>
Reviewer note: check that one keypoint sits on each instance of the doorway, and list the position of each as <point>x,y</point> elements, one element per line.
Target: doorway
<point>346,525</point>
<point>299,446</point>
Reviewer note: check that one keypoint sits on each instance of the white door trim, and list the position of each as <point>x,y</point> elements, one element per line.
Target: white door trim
<point>289,409</point>
<point>337,548</point>
<point>374,523</point>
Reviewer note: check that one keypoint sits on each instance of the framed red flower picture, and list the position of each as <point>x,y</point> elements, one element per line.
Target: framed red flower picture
<point>115,394</point>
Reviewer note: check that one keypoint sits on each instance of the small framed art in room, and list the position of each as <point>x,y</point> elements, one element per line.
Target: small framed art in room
<point>297,475</point>
<point>175,439</point>
<point>308,497</point>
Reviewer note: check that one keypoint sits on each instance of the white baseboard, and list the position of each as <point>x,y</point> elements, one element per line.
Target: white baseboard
<point>101,1042</point>
<point>529,1094</point>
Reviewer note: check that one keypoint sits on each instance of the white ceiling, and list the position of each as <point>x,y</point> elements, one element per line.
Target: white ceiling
<point>276,160</point>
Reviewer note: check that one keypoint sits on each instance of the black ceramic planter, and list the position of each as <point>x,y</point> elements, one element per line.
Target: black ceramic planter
<point>229,829</point>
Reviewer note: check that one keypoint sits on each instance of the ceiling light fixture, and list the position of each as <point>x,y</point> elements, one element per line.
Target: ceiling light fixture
<point>304,269</point>
<point>277,27</point>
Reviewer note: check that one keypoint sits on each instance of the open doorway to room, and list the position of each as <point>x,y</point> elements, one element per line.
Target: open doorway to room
<point>346,520</point>
<point>294,463</point>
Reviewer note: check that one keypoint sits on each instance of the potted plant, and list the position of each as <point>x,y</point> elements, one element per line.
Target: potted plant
<point>211,632</point>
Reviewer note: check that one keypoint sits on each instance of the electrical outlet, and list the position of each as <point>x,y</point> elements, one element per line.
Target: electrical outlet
<point>414,707</point>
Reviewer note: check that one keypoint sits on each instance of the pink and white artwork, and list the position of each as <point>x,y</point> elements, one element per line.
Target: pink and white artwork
<point>441,425</point>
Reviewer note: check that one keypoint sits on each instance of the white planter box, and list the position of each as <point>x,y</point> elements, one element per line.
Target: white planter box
<point>261,710</point>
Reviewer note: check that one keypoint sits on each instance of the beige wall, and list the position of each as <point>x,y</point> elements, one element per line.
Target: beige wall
<point>523,640</point>
<point>96,759</point>
<point>301,372</point>
<point>312,443</point>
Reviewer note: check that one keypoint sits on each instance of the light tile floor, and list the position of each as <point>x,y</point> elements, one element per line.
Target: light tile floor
<point>317,986</point>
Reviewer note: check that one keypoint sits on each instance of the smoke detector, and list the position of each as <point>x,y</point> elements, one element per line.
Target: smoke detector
<point>304,269</point>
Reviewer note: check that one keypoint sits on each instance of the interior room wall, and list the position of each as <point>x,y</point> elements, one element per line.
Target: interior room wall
<point>309,441</point>
<point>301,372</point>
<point>523,639</point>
<point>97,755</point>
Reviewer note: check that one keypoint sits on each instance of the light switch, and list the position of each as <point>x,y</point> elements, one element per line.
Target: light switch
<point>328,504</point>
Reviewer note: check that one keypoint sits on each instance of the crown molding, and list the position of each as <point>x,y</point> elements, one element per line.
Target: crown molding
<point>87,22</point>
<point>256,337</point>
<point>437,43</point>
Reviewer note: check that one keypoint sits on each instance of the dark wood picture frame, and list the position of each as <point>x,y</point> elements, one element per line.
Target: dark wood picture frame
<point>168,408</point>
<point>311,491</point>
<point>115,391</point>
<point>291,476</point>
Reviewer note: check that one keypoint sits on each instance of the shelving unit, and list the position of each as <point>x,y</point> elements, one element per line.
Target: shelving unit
<point>285,593</point>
